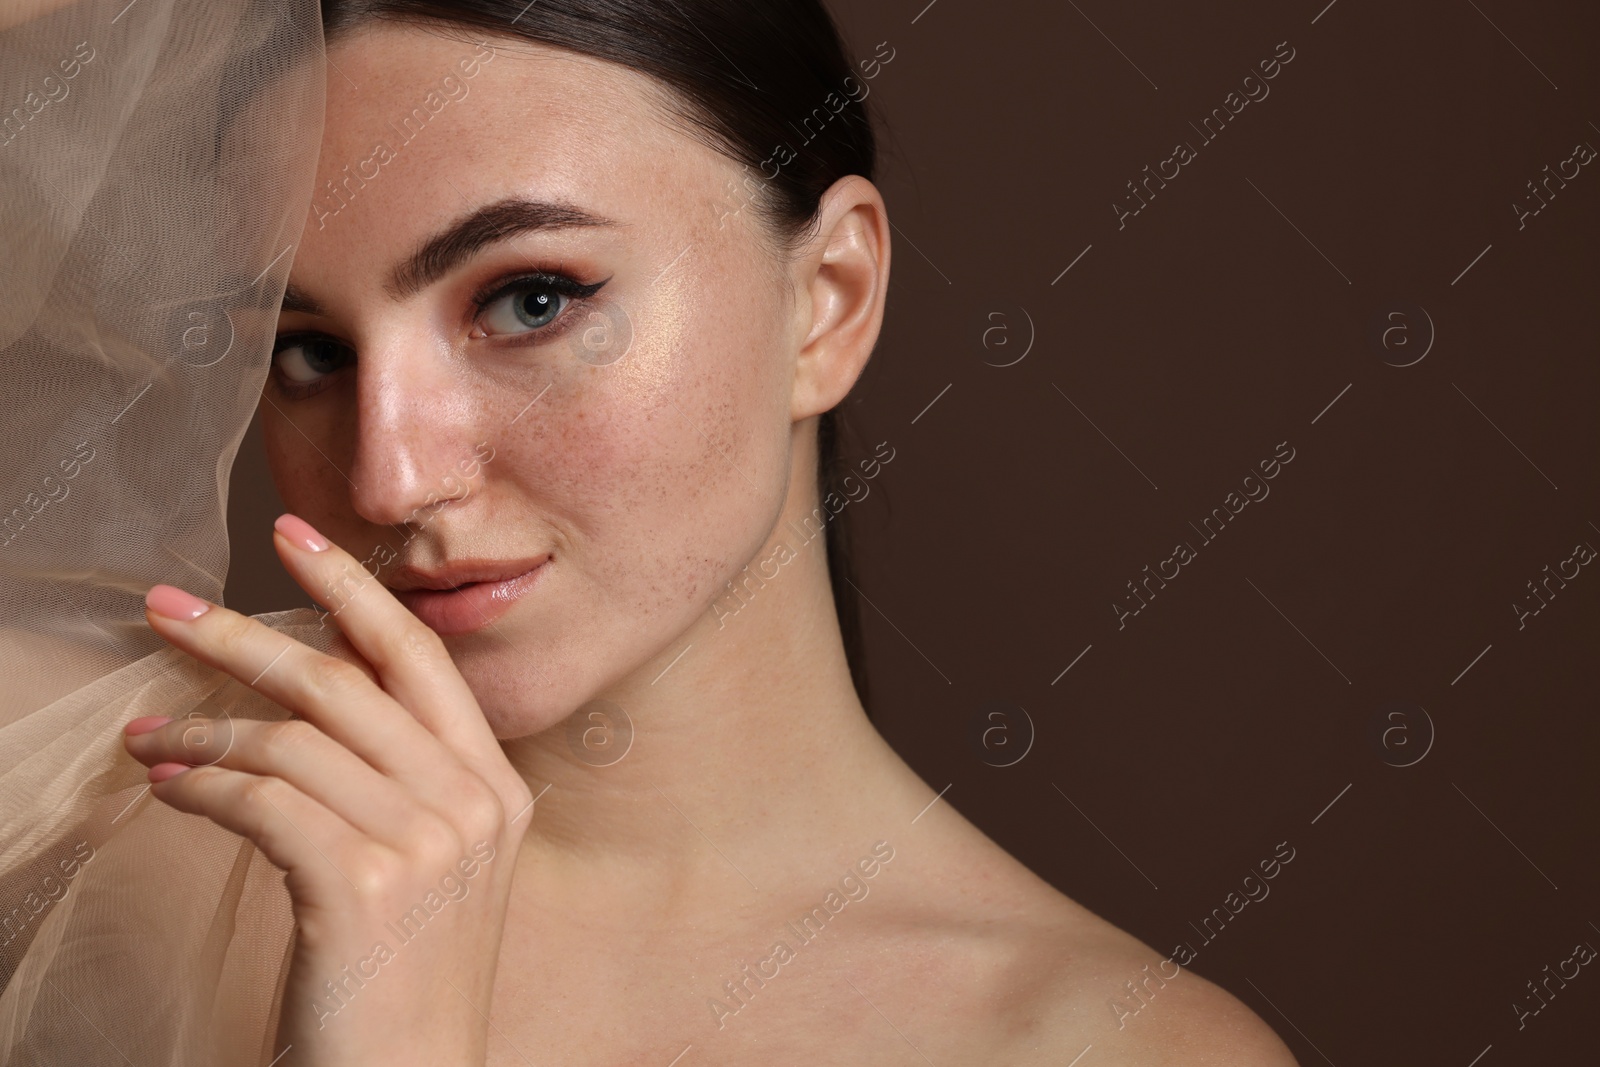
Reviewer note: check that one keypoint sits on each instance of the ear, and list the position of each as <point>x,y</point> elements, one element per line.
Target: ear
<point>844,269</point>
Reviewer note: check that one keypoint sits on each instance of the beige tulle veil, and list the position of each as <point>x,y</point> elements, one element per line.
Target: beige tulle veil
<point>156,166</point>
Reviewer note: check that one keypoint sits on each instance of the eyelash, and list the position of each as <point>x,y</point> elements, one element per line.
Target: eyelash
<point>564,284</point>
<point>572,290</point>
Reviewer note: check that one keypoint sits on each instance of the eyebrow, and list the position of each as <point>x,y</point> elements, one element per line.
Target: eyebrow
<point>462,239</point>
<point>298,300</point>
<point>499,221</point>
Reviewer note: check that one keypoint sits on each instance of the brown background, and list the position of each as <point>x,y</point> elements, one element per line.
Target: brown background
<point>1227,715</point>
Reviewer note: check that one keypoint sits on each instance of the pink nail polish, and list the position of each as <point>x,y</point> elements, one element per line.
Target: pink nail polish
<point>162,771</point>
<point>146,724</point>
<point>301,533</point>
<point>173,603</point>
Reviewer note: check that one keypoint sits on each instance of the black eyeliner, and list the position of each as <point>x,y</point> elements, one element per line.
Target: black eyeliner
<point>559,283</point>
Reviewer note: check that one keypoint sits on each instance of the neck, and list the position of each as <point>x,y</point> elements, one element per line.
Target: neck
<point>749,747</point>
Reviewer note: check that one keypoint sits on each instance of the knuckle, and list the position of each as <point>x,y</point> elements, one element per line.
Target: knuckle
<point>199,778</point>
<point>264,798</point>
<point>343,588</point>
<point>278,739</point>
<point>377,873</point>
<point>418,644</point>
<point>478,810</point>
<point>436,841</point>
<point>231,633</point>
<point>333,677</point>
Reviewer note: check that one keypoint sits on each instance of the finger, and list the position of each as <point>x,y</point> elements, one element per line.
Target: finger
<point>300,754</point>
<point>411,660</point>
<point>294,832</point>
<point>347,705</point>
<point>338,697</point>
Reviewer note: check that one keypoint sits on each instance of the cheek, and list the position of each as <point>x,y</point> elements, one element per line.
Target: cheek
<point>669,467</point>
<point>303,478</point>
<point>657,476</point>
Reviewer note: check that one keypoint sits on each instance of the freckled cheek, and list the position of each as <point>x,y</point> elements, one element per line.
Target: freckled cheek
<point>655,459</point>
<point>599,464</point>
<point>306,482</point>
<point>635,490</point>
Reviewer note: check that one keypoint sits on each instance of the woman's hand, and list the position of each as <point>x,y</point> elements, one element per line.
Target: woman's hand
<point>387,800</point>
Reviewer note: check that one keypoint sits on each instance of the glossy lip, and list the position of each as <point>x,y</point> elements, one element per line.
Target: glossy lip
<point>466,596</point>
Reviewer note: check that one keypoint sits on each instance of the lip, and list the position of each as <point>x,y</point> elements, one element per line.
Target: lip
<point>466,597</point>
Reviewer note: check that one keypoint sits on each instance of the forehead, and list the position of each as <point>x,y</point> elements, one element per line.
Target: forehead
<point>420,125</point>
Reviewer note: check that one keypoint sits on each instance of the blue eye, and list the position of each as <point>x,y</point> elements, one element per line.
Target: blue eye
<point>530,304</point>
<point>301,361</point>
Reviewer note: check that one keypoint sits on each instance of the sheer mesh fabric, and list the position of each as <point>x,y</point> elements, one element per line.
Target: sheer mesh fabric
<point>156,166</point>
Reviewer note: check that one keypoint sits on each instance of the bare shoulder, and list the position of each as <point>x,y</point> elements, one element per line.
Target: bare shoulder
<point>1124,1005</point>
<point>1032,977</point>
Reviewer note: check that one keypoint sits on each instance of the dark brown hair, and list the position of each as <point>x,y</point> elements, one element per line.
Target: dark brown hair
<point>707,52</point>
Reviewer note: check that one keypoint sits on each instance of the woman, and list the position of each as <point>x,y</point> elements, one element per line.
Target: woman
<point>579,287</point>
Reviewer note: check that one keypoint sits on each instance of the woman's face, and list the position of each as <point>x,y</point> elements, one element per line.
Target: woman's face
<point>602,402</point>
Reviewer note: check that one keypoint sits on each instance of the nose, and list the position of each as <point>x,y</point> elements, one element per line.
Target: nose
<point>413,434</point>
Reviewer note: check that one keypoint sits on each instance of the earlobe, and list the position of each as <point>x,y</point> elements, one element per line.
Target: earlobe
<point>846,273</point>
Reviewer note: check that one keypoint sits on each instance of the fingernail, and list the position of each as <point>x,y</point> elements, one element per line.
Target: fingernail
<point>162,771</point>
<point>173,603</point>
<point>301,533</point>
<point>146,724</point>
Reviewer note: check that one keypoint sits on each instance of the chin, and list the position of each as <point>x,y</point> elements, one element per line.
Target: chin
<point>511,729</point>
<point>520,712</point>
<point>518,702</point>
<point>515,700</point>
<point>518,717</point>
